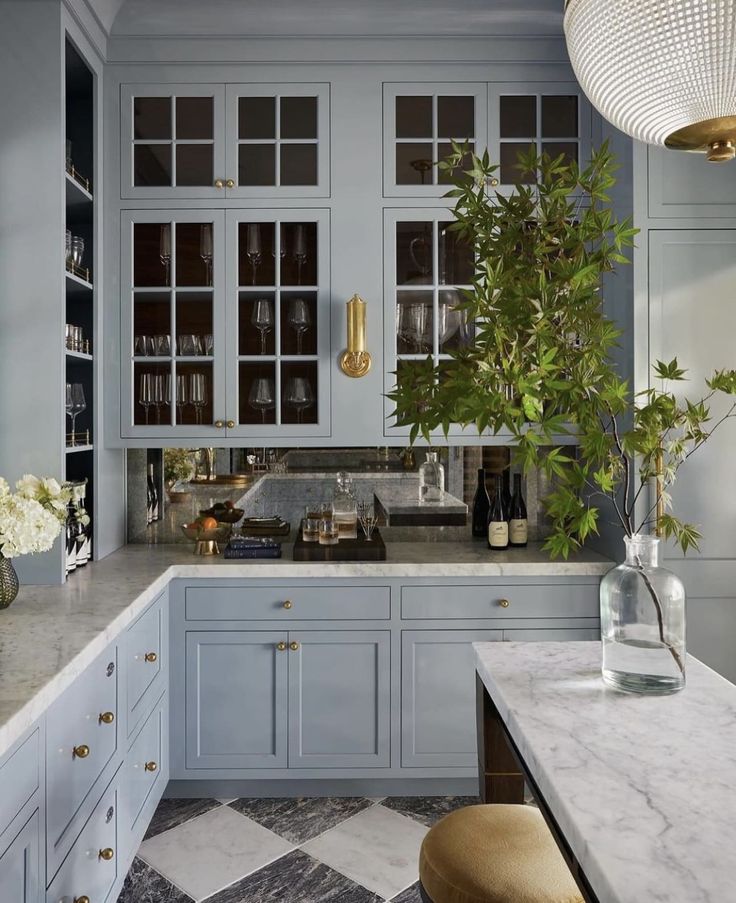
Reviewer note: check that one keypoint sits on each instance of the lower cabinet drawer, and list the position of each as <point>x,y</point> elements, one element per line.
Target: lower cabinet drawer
<point>19,778</point>
<point>90,869</point>
<point>81,738</point>
<point>145,767</point>
<point>500,601</point>
<point>287,603</point>
<point>145,661</point>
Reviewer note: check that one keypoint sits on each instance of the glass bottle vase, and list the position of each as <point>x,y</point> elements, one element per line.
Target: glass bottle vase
<point>643,622</point>
<point>9,584</point>
<point>431,479</point>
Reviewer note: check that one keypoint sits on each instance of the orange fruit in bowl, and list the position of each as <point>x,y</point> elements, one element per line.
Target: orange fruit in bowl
<point>209,523</point>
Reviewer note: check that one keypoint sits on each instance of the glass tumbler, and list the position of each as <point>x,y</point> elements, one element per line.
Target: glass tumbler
<point>328,532</point>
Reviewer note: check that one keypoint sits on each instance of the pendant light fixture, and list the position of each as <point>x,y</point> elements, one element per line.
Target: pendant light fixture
<point>662,71</point>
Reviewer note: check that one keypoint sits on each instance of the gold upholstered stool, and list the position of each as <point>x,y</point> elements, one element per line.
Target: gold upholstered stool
<point>494,854</point>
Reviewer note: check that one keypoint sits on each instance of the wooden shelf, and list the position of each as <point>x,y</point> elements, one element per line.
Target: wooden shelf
<point>79,355</point>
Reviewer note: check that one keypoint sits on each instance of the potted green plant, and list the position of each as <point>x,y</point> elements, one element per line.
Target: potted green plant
<point>541,367</point>
<point>178,471</point>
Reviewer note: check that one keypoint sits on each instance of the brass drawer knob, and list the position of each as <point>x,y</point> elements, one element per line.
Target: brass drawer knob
<point>151,657</point>
<point>230,424</point>
<point>504,603</point>
<point>220,424</point>
<point>150,766</point>
<point>81,751</point>
<point>293,646</point>
<point>230,183</point>
<point>281,647</point>
<point>493,182</point>
<point>106,854</point>
<point>219,183</point>
<point>81,900</point>
<point>107,718</point>
<point>288,604</point>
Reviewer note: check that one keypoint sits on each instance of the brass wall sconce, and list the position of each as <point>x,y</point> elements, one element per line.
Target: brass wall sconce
<point>356,361</point>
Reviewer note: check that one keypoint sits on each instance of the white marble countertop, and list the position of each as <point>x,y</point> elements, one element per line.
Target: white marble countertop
<point>50,634</point>
<point>643,788</point>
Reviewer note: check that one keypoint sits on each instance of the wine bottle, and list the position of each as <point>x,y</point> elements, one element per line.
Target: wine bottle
<point>152,512</point>
<point>498,525</point>
<point>481,504</point>
<point>507,492</point>
<point>518,524</point>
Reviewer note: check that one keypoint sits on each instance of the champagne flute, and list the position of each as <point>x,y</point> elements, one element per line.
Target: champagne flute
<point>198,394</point>
<point>253,246</point>
<point>300,250</point>
<point>282,245</point>
<point>79,405</point>
<point>417,325</point>
<point>205,249</point>
<point>69,405</point>
<point>262,319</point>
<point>261,396</point>
<point>299,319</point>
<point>182,395</point>
<point>145,392</point>
<point>299,395</point>
<point>157,398</point>
<point>164,250</point>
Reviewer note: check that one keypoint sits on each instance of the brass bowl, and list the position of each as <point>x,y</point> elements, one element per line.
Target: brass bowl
<point>224,515</point>
<point>206,541</point>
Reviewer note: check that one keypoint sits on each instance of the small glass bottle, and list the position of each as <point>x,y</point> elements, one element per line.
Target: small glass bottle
<point>431,479</point>
<point>345,507</point>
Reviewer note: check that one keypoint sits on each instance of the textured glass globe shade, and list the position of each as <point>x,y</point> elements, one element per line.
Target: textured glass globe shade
<point>662,71</point>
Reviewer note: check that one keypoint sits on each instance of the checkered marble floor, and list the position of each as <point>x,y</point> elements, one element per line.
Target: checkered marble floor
<point>325,850</point>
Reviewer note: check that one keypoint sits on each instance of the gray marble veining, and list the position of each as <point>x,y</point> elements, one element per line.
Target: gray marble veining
<point>173,812</point>
<point>144,885</point>
<point>643,788</point>
<point>298,820</point>
<point>428,809</point>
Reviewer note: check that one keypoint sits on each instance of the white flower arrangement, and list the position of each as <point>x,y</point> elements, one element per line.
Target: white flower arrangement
<point>32,517</point>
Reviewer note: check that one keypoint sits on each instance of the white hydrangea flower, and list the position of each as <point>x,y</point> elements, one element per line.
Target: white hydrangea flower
<point>29,486</point>
<point>26,526</point>
<point>4,488</point>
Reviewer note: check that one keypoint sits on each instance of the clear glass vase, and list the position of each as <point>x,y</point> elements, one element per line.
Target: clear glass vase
<point>643,622</point>
<point>431,479</point>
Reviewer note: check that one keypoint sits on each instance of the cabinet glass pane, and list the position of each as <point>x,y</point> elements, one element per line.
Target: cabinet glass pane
<point>256,117</point>
<point>298,164</point>
<point>151,254</point>
<point>195,118</point>
<point>414,163</point>
<point>299,387</point>
<point>453,331</point>
<point>194,165</point>
<point>407,374</point>
<point>298,323</point>
<point>414,322</point>
<point>445,177</point>
<point>194,324</point>
<point>298,117</point>
<point>414,117</point>
<point>456,266</point>
<point>456,117</point>
<point>569,149</point>
<point>257,392</point>
<point>151,393</point>
<point>152,118</point>
<point>152,324</point>
<point>257,164</point>
<point>414,253</point>
<point>299,254</point>
<point>152,165</point>
<point>510,174</point>
<point>256,254</point>
<point>518,115</point>
<point>193,391</point>
<point>193,253</point>
<point>559,116</point>
<point>256,323</point>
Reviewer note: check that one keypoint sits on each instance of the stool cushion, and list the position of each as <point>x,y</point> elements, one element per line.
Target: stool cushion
<point>494,854</point>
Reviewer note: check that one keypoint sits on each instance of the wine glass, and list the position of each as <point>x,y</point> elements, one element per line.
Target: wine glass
<point>282,244</point>
<point>78,405</point>
<point>68,405</point>
<point>146,392</point>
<point>182,395</point>
<point>253,246</point>
<point>205,249</point>
<point>261,396</point>
<point>299,395</point>
<point>416,326</point>
<point>164,250</point>
<point>157,394</point>
<point>198,394</point>
<point>143,345</point>
<point>262,319</point>
<point>300,250</point>
<point>299,319</point>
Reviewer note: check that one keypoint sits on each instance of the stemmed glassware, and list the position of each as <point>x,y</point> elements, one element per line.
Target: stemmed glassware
<point>368,519</point>
<point>75,405</point>
<point>300,250</point>
<point>299,319</point>
<point>413,324</point>
<point>146,392</point>
<point>164,250</point>
<point>253,246</point>
<point>205,249</point>
<point>182,395</point>
<point>299,395</point>
<point>198,394</point>
<point>262,319</point>
<point>261,396</point>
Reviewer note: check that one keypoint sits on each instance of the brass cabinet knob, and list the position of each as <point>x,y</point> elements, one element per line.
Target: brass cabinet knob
<point>493,182</point>
<point>281,647</point>
<point>80,752</point>
<point>151,657</point>
<point>150,766</point>
<point>219,183</point>
<point>293,646</point>
<point>81,900</point>
<point>230,183</point>
<point>107,854</point>
<point>288,604</point>
<point>106,718</point>
<point>219,424</point>
<point>504,603</point>
<point>230,424</point>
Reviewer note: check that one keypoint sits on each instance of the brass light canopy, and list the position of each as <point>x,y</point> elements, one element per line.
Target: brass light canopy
<point>356,360</point>
<point>714,137</point>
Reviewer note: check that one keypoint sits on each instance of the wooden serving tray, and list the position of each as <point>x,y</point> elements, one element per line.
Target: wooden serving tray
<point>346,550</point>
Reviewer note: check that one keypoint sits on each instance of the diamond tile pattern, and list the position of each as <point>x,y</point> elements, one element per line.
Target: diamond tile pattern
<point>322,850</point>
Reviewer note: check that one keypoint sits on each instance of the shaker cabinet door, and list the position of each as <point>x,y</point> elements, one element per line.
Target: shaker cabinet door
<point>20,880</point>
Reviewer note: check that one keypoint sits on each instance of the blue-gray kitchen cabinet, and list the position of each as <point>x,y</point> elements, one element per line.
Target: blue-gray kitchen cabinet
<point>20,865</point>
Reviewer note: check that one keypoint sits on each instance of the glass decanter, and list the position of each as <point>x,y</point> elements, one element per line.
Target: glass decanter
<point>431,479</point>
<point>643,622</point>
<point>344,507</point>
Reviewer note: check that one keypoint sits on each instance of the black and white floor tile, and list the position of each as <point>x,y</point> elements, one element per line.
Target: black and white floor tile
<point>326,850</point>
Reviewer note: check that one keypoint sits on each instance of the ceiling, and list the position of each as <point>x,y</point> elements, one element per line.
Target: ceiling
<point>328,18</point>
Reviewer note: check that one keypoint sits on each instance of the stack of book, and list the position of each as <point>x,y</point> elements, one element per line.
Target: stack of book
<point>252,547</point>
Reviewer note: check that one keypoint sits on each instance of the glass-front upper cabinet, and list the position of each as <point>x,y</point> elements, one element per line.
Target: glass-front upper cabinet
<point>420,122</point>
<point>234,141</point>
<point>426,266</point>
<point>278,326</point>
<point>172,329</point>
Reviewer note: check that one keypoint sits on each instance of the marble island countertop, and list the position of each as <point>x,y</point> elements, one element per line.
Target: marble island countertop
<point>642,788</point>
<point>50,634</point>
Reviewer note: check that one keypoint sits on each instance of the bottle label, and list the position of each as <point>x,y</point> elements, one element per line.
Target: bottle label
<point>518,531</point>
<point>498,534</point>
